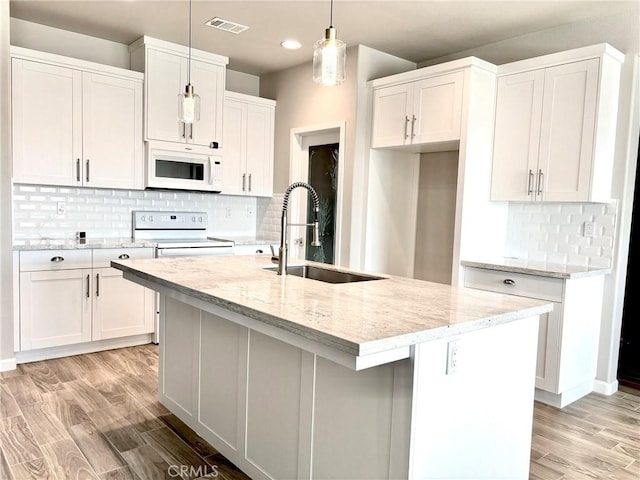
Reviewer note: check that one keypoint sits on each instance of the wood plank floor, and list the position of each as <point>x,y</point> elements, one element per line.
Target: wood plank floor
<point>96,416</point>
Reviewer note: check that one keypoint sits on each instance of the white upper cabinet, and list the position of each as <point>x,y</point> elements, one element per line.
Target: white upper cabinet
<point>75,123</point>
<point>555,127</point>
<point>423,111</point>
<point>166,69</point>
<point>247,145</point>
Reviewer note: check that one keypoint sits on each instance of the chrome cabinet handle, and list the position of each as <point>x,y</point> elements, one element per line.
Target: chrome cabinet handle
<point>244,178</point>
<point>57,259</point>
<point>413,125</point>
<point>97,284</point>
<point>508,281</point>
<point>184,130</point>
<point>87,175</point>
<point>249,182</point>
<point>88,286</point>
<point>406,127</point>
<point>540,181</point>
<point>77,169</point>
<point>530,186</point>
<point>191,131</point>
<point>123,256</point>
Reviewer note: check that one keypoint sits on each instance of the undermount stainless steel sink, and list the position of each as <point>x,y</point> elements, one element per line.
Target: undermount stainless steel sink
<point>325,275</point>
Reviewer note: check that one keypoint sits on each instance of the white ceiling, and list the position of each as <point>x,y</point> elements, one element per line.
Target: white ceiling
<point>416,30</point>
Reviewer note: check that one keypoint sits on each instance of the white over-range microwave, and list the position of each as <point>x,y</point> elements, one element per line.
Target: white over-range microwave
<point>183,170</point>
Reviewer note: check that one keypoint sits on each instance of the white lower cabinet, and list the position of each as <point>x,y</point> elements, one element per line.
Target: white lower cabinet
<point>567,336</point>
<point>73,296</point>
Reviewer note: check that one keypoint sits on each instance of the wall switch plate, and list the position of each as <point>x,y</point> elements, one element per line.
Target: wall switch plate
<point>251,212</point>
<point>453,357</point>
<point>61,208</point>
<point>227,212</point>
<point>589,229</point>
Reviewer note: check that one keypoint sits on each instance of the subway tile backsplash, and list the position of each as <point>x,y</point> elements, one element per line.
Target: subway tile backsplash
<point>553,233</point>
<point>107,213</point>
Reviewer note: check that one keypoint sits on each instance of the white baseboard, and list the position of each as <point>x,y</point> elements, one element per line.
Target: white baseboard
<point>605,388</point>
<point>8,364</point>
<point>81,348</point>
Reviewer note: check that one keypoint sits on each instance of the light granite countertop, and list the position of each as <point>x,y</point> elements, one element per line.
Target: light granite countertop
<point>529,267</point>
<point>73,244</point>
<point>358,318</point>
<point>246,240</point>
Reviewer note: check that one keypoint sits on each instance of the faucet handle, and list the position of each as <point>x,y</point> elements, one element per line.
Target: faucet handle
<point>274,257</point>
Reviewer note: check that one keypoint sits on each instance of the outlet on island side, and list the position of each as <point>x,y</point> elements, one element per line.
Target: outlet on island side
<point>453,357</point>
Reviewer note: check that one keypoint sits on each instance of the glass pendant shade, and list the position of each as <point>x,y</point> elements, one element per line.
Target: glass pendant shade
<point>329,59</point>
<point>188,105</point>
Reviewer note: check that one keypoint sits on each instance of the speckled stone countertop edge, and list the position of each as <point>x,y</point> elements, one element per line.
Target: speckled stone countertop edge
<point>332,340</point>
<point>537,268</point>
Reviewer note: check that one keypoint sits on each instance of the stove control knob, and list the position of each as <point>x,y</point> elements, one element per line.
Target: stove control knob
<point>150,218</point>
<point>193,219</point>
<point>142,218</point>
<point>200,219</point>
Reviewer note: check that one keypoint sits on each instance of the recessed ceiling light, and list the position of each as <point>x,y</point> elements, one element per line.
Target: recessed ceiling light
<point>291,44</point>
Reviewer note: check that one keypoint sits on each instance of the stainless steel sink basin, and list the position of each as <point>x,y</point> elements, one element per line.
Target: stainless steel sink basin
<point>325,275</point>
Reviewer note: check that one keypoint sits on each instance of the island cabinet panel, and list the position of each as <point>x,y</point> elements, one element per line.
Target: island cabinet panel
<point>223,367</point>
<point>180,330</point>
<point>273,406</point>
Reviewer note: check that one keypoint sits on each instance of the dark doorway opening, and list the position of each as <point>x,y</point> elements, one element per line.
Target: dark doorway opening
<point>629,362</point>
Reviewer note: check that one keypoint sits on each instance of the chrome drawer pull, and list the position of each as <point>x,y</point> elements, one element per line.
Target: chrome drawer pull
<point>57,259</point>
<point>124,256</point>
<point>508,281</point>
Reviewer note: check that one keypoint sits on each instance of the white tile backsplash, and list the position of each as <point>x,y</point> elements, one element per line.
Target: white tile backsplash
<point>107,213</point>
<point>553,232</point>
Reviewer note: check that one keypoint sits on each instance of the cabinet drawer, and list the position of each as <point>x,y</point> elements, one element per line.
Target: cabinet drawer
<point>34,260</point>
<point>533,286</point>
<point>102,256</point>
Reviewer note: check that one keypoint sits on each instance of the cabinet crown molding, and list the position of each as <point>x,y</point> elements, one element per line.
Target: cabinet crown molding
<point>575,55</point>
<point>75,63</point>
<point>178,49</point>
<point>432,71</point>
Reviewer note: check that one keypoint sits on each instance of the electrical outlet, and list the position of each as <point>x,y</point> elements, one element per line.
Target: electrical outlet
<point>453,357</point>
<point>251,212</point>
<point>589,229</point>
<point>61,208</point>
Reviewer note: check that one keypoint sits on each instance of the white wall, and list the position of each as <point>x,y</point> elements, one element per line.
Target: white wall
<point>302,104</point>
<point>54,40</point>
<point>6,280</point>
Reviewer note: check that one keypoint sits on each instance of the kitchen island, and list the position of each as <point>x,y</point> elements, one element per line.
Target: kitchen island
<point>392,378</point>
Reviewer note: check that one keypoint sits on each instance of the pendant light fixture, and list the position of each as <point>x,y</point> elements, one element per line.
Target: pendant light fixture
<point>189,102</point>
<point>329,57</point>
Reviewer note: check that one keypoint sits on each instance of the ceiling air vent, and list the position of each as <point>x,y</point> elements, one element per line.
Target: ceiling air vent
<point>226,25</point>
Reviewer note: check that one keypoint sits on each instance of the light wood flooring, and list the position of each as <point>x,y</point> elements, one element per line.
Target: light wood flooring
<point>96,417</point>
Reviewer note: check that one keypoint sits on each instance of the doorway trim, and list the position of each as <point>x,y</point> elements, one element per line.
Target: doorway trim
<point>298,155</point>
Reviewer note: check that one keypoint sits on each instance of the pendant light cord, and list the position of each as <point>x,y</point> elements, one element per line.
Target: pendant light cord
<point>189,62</point>
<point>331,15</point>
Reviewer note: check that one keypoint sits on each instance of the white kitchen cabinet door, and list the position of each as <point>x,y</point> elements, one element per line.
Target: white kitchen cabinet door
<point>247,145</point>
<point>260,132</point>
<point>392,115</point>
<point>164,81</point>
<point>120,307</point>
<point>46,123</point>
<point>437,109</point>
<point>112,132</point>
<point>55,308</point>
<point>234,140</point>
<point>166,77</point>
<point>517,133</point>
<point>208,82</point>
<point>568,129</point>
